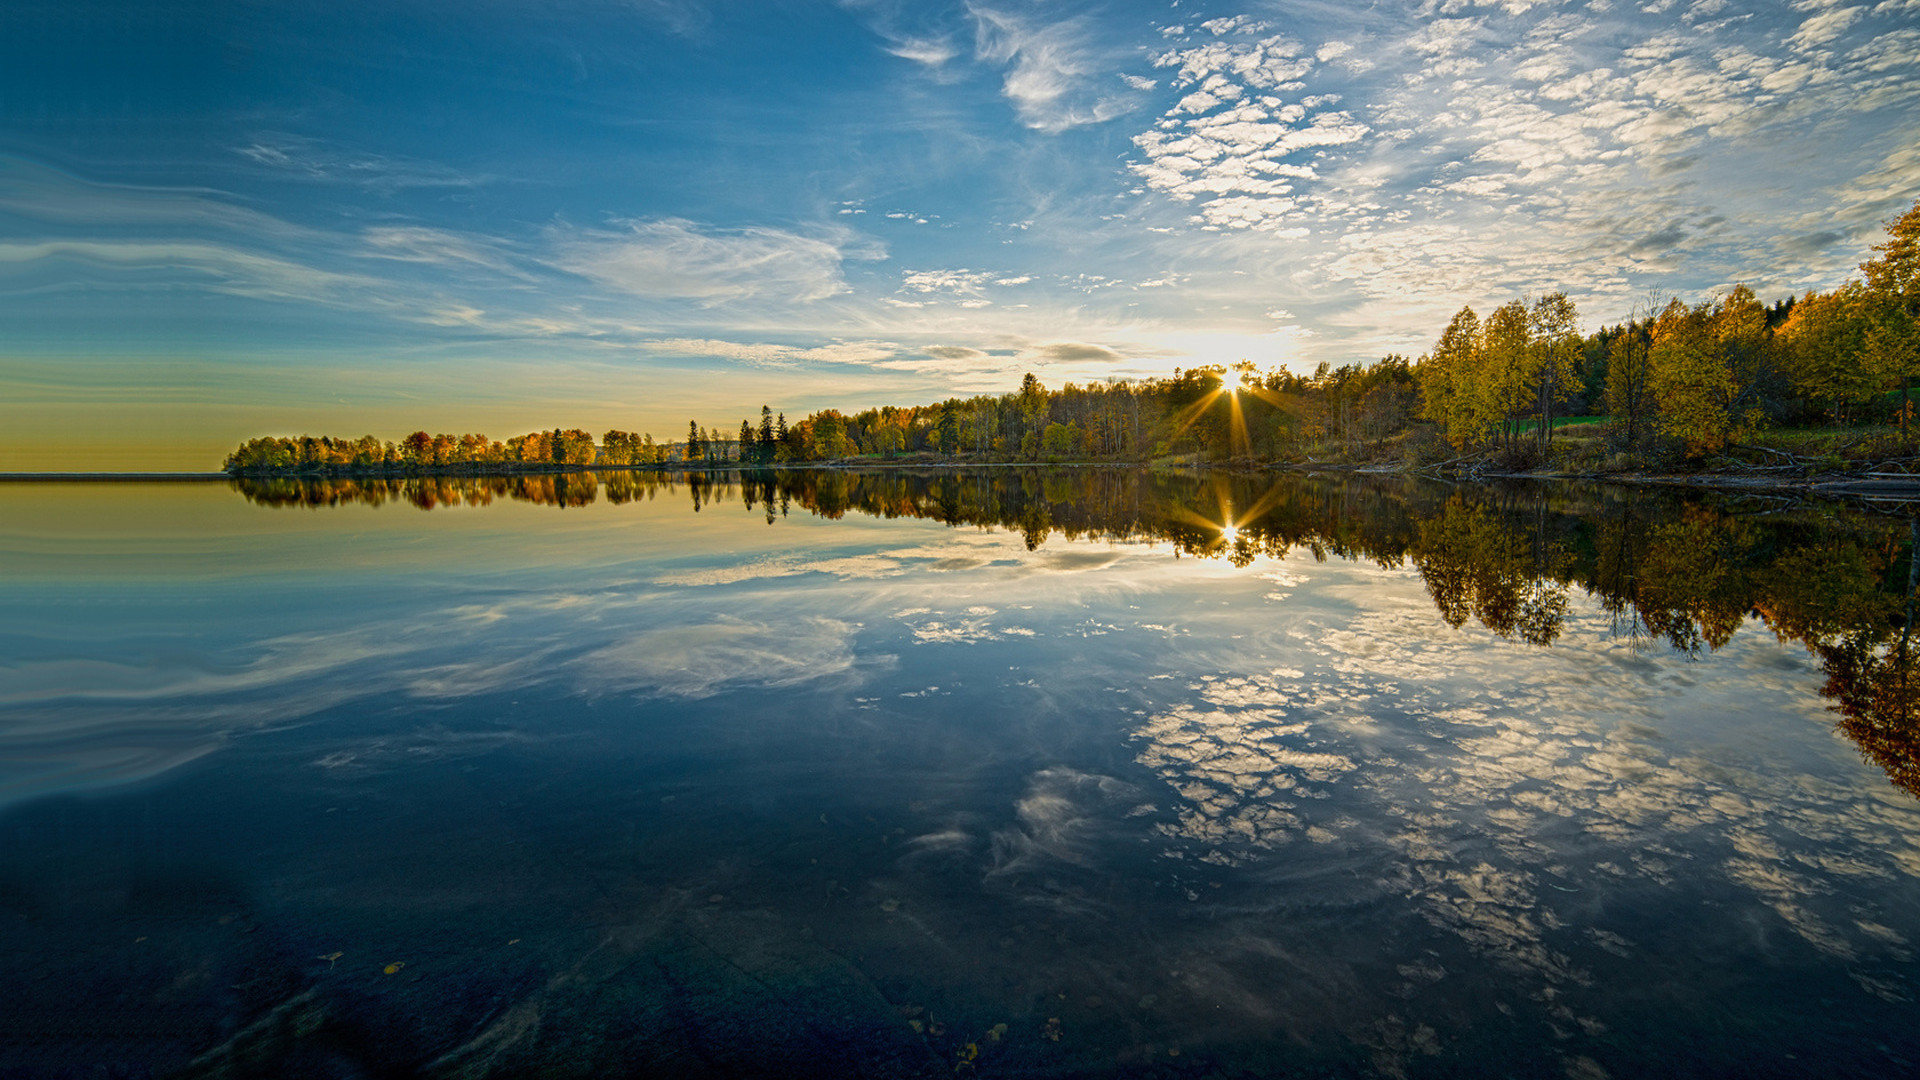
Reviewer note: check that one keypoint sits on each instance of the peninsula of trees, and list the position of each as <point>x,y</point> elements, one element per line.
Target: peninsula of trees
<point>1674,383</point>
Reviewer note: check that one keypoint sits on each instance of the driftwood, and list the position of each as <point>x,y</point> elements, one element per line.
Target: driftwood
<point>1439,465</point>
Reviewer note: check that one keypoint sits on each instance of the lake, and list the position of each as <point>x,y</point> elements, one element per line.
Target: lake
<point>1090,772</point>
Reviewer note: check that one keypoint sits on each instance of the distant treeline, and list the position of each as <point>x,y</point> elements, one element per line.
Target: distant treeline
<point>1695,377</point>
<point>559,449</point>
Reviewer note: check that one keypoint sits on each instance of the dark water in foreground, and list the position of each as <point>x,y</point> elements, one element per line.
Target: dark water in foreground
<point>998,774</point>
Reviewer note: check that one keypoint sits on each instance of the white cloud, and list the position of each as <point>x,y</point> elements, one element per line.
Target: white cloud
<point>1233,144</point>
<point>963,282</point>
<point>1823,28</point>
<point>1237,24</point>
<point>678,259</point>
<point>775,355</point>
<point>213,266</point>
<point>320,160</point>
<point>436,247</point>
<point>932,52</point>
<point>1051,70</point>
<point>962,286</point>
<point>1510,148</point>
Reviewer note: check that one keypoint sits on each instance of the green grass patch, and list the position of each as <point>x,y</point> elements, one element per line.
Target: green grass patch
<point>1562,422</point>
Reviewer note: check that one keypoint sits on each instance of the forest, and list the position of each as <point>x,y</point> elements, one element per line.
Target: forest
<point>1674,383</point>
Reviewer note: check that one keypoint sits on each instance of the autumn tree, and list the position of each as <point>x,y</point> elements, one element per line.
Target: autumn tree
<point>1822,343</point>
<point>1555,327</point>
<point>1509,367</point>
<point>1629,390</point>
<point>1891,343</point>
<point>1448,378</point>
<point>1689,381</point>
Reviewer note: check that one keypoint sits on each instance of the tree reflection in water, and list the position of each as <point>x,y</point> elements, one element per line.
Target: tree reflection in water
<point>1687,570</point>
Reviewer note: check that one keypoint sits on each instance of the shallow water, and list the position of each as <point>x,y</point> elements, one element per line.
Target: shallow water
<point>1006,773</point>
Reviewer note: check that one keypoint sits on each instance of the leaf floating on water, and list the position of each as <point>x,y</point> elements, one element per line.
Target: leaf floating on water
<point>916,1025</point>
<point>889,904</point>
<point>997,1032</point>
<point>394,968</point>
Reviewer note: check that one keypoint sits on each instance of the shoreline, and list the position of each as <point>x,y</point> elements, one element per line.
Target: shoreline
<point>1897,487</point>
<point>1877,487</point>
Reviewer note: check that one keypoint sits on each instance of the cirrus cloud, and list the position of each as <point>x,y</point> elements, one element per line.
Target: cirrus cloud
<point>672,258</point>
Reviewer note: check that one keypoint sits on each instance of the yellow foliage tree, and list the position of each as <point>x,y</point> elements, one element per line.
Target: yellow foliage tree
<point>1554,324</point>
<point>1822,345</point>
<point>1448,378</point>
<point>1688,380</point>
<point>1509,367</point>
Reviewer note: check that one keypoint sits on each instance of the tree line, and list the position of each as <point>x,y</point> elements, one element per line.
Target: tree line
<point>1705,375</point>
<point>1693,376</point>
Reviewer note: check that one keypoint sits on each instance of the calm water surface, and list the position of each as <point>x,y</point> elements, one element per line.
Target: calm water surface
<point>1003,773</point>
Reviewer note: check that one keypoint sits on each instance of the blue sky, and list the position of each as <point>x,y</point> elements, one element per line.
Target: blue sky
<point>231,219</point>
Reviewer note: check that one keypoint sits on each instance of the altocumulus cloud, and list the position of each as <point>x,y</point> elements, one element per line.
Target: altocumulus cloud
<point>1414,159</point>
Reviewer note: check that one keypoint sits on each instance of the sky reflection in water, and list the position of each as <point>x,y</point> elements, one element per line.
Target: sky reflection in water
<point>808,780</point>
